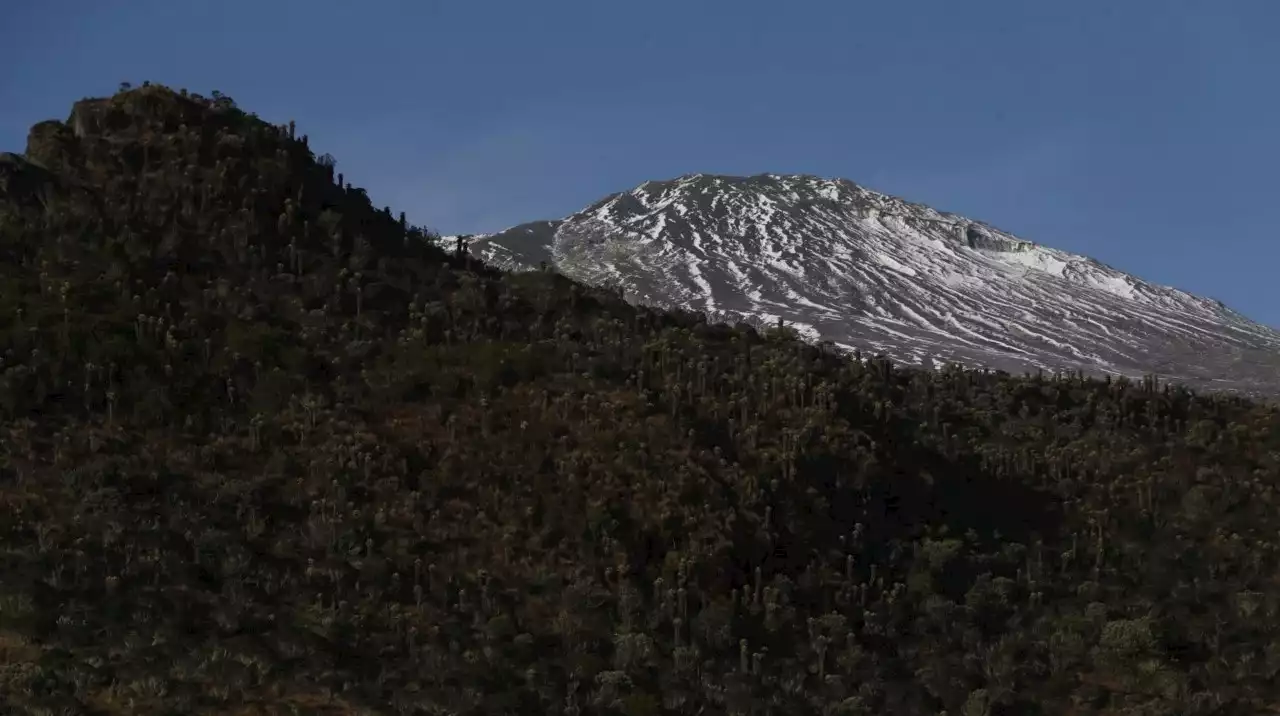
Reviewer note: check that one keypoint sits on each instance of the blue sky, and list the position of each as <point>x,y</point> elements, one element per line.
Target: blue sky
<point>1144,133</point>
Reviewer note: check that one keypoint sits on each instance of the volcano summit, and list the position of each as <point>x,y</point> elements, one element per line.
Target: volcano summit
<point>865,270</point>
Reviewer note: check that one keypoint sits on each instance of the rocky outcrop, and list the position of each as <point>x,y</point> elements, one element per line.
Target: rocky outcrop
<point>88,117</point>
<point>975,238</point>
<point>52,144</point>
<point>23,182</point>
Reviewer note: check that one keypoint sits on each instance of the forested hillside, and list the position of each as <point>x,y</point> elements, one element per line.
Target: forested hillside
<point>266,450</point>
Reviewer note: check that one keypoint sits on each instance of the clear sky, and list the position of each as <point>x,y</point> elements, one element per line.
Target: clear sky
<point>1144,133</point>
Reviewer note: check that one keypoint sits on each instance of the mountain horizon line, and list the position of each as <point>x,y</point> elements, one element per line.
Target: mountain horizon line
<point>855,266</point>
<point>959,216</point>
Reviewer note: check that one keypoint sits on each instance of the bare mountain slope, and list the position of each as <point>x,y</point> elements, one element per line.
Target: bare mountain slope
<point>869,271</point>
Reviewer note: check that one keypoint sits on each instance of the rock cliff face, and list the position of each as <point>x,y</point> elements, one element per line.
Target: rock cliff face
<point>868,271</point>
<point>22,181</point>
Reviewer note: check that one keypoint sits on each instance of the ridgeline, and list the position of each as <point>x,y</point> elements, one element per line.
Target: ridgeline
<point>265,449</point>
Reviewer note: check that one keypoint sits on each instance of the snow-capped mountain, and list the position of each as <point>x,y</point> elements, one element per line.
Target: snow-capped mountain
<point>873,272</point>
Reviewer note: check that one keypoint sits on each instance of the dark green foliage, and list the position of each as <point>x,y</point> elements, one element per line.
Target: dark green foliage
<point>264,449</point>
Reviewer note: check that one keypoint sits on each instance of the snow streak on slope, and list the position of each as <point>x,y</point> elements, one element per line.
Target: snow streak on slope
<point>870,271</point>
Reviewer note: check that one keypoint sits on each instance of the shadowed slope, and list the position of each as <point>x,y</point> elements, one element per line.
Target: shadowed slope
<point>267,450</point>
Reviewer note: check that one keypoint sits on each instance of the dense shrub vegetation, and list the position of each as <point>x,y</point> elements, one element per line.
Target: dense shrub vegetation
<point>264,449</point>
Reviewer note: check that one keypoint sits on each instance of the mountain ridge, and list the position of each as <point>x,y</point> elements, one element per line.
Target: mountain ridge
<point>781,246</point>
<point>267,450</point>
